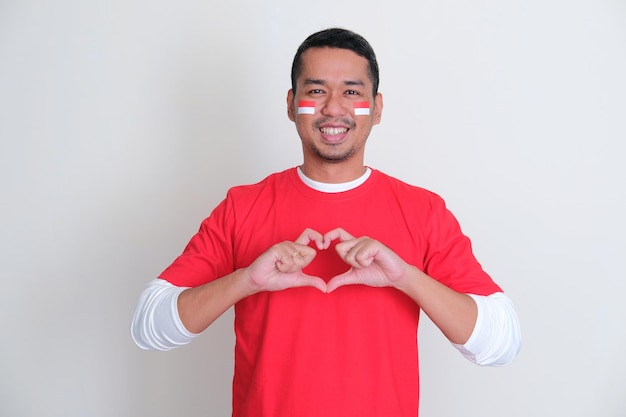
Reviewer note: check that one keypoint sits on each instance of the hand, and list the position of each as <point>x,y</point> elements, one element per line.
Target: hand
<point>373,263</point>
<point>280,267</point>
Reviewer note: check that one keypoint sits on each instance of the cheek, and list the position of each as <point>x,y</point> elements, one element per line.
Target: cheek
<point>363,129</point>
<point>303,128</point>
<point>304,123</point>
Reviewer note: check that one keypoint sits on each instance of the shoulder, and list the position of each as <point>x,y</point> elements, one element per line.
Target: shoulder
<point>266,189</point>
<point>409,191</point>
<point>273,180</point>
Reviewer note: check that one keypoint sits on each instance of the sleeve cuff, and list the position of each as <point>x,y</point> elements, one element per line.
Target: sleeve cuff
<point>496,338</point>
<point>156,323</point>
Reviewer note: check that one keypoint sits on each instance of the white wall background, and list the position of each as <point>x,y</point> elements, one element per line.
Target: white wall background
<point>122,123</point>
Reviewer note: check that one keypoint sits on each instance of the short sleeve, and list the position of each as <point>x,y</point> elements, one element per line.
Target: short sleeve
<point>209,253</point>
<point>449,256</point>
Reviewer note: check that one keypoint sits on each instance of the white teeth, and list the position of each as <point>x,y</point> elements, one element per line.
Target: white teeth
<point>332,131</point>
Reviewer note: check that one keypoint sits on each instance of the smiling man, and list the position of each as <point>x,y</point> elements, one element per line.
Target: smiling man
<point>329,264</point>
<point>337,82</point>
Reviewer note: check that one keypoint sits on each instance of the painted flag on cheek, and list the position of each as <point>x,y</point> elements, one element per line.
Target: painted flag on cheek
<point>361,108</point>
<point>306,107</point>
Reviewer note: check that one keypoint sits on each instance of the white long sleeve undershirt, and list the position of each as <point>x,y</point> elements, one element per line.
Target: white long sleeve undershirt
<point>495,340</point>
<point>156,324</point>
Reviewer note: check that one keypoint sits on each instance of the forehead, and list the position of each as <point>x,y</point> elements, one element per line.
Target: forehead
<point>334,64</point>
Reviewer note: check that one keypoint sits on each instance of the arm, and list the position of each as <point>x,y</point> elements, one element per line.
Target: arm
<point>454,313</point>
<point>472,324</point>
<point>168,316</point>
<point>376,265</point>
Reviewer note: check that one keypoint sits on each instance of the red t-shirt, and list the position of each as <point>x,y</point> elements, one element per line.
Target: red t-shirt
<point>301,352</point>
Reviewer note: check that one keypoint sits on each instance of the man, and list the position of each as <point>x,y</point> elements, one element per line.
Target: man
<point>329,264</point>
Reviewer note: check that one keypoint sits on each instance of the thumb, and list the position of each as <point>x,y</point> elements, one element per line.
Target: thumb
<point>311,281</point>
<point>347,278</point>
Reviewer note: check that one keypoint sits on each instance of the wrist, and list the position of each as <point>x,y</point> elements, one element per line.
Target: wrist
<point>243,282</point>
<point>410,280</point>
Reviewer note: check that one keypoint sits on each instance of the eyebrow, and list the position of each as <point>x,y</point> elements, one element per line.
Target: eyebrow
<point>314,81</point>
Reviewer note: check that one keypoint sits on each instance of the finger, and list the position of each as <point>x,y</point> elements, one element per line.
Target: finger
<point>347,278</point>
<point>344,248</point>
<point>293,250</point>
<point>310,235</point>
<point>362,254</point>
<point>310,281</point>
<point>334,234</point>
<point>293,258</point>
<point>357,252</point>
<point>300,253</point>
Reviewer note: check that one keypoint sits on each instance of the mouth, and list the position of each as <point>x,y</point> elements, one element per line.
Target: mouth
<point>333,135</point>
<point>333,131</point>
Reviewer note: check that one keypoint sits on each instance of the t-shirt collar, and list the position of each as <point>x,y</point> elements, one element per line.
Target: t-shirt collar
<point>334,188</point>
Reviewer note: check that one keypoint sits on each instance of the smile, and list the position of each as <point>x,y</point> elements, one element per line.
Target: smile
<point>333,131</point>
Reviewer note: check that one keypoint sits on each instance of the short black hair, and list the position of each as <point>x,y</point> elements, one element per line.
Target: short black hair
<point>337,38</point>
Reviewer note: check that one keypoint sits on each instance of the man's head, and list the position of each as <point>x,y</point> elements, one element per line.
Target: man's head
<point>334,103</point>
<point>342,39</point>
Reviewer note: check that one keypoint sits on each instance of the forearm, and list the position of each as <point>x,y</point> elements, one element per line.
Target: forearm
<point>200,306</point>
<point>276,269</point>
<point>452,312</point>
<point>168,316</point>
<point>485,329</point>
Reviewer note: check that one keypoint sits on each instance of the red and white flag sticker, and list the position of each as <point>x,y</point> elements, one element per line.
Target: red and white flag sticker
<point>361,108</point>
<point>306,107</point>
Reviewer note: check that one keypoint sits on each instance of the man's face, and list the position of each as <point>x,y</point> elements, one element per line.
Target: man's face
<point>334,82</point>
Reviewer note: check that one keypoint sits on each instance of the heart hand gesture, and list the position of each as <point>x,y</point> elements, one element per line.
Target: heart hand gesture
<point>373,263</point>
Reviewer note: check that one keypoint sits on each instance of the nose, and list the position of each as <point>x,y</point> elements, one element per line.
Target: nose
<point>334,106</point>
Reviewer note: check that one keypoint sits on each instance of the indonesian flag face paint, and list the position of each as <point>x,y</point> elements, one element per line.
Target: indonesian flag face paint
<point>306,107</point>
<point>361,108</point>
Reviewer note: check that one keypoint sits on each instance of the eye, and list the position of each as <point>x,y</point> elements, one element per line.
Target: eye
<point>316,91</point>
<point>352,93</point>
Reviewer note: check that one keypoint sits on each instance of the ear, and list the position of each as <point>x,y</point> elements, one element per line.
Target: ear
<point>290,99</point>
<point>378,108</point>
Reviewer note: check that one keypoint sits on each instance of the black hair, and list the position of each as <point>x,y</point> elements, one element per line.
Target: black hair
<point>337,38</point>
